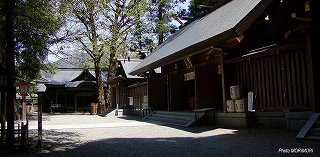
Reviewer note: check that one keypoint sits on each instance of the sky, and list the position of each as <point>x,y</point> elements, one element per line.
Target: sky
<point>53,57</point>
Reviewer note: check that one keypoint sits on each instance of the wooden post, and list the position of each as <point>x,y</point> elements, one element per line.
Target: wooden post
<point>196,90</point>
<point>75,102</point>
<point>222,70</point>
<point>168,93</point>
<point>40,120</point>
<point>3,114</point>
<point>24,113</point>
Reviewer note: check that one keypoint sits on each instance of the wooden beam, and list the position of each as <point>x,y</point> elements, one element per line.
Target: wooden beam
<point>269,52</point>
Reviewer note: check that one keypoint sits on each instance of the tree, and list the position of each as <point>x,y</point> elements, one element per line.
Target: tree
<point>9,53</point>
<point>100,28</point>
<point>198,7</point>
<point>2,30</point>
<point>27,31</point>
<point>161,14</point>
<point>35,25</point>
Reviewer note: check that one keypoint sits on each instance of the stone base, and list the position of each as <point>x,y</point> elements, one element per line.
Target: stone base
<point>240,120</point>
<point>264,119</point>
<point>271,119</point>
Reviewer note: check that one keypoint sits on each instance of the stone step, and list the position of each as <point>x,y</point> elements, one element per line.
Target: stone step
<point>189,114</point>
<point>170,116</point>
<point>185,118</point>
<point>170,121</point>
<point>314,132</point>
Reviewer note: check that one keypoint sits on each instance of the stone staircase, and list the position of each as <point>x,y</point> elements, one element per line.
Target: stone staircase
<point>311,130</point>
<point>185,119</point>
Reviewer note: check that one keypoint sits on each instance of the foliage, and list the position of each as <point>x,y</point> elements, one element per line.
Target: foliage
<point>2,36</point>
<point>196,9</point>
<point>35,24</point>
<point>161,13</point>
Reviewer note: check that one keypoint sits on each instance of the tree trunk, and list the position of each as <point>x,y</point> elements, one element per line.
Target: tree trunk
<point>9,7</point>
<point>111,75</point>
<point>100,93</point>
<point>160,33</point>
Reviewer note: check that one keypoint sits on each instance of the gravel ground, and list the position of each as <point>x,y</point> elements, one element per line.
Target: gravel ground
<point>94,136</point>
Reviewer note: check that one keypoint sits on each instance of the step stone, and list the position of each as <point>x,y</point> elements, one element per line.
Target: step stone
<point>179,117</point>
<point>189,114</point>
<point>173,121</point>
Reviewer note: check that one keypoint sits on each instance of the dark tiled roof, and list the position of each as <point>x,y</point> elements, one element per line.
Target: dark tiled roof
<point>226,22</point>
<point>85,76</point>
<point>61,76</point>
<point>77,83</point>
<point>128,65</point>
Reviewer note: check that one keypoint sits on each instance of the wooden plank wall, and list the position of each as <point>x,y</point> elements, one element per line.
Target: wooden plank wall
<point>279,81</point>
<point>122,98</point>
<point>137,93</point>
<point>157,92</point>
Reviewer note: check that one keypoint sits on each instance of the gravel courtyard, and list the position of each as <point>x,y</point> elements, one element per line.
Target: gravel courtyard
<point>95,136</point>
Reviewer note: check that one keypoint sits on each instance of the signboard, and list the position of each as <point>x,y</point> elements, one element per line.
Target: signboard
<point>130,100</point>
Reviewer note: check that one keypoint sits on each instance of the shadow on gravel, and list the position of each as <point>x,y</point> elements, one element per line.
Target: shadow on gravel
<point>260,142</point>
<point>58,140</point>
<point>53,140</point>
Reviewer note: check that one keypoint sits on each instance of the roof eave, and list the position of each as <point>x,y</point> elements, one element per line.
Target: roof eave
<point>237,30</point>
<point>189,51</point>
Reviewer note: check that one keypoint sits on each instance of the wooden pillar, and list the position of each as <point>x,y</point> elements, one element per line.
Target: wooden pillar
<point>149,91</point>
<point>65,100</point>
<point>196,92</point>
<point>56,97</point>
<point>40,103</point>
<point>3,115</point>
<point>224,86</point>
<point>118,95</point>
<point>24,113</point>
<point>75,102</point>
<point>196,86</point>
<point>168,92</point>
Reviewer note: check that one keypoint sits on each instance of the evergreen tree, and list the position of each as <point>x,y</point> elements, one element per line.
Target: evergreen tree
<point>26,29</point>
<point>198,7</point>
<point>161,13</point>
<point>34,26</point>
